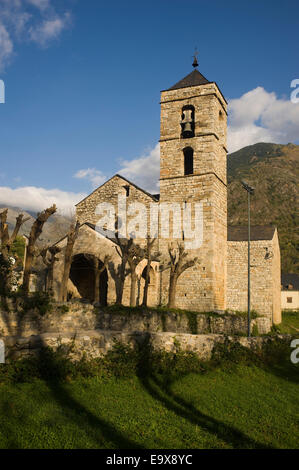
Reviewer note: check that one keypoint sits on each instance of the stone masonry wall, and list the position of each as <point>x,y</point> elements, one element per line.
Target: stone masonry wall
<point>81,317</point>
<point>264,276</point>
<point>97,343</point>
<point>202,288</point>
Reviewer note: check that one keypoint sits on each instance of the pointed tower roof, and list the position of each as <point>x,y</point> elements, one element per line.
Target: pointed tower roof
<point>194,78</point>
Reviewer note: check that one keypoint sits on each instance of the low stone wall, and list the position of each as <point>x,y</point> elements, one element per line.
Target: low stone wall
<point>82,316</point>
<point>93,331</point>
<point>97,343</point>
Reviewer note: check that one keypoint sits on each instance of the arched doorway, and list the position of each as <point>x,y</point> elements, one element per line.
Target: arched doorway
<point>84,275</point>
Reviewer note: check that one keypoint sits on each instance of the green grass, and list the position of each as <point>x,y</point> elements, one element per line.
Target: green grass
<point>290,323</point>
<point>234,406</point>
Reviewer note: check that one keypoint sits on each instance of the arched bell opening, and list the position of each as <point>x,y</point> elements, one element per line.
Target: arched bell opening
<point>188,122</point>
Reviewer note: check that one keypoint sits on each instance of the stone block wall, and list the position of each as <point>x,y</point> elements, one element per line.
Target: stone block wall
<point>81,317</point>
<point>265,277</point>
<point>96,343</point>
<point>93,332</point>
<point>202,288</point>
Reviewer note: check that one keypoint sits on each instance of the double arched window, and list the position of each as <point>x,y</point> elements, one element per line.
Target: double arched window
<point>188,160</point>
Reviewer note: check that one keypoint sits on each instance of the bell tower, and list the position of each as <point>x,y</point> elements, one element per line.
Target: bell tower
<point>193,170</point>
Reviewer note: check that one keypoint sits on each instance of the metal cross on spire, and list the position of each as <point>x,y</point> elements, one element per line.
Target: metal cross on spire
<point>195,57</point>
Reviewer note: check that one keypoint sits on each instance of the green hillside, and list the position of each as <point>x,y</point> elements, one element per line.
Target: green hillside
<point>273,170</point>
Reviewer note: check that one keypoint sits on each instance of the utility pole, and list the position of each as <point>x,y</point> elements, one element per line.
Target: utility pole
<point>250,191</point>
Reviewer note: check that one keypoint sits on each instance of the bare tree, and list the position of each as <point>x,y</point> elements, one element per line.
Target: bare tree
<point>151,256</point>
<point>123,247</point>
<point>178,264</point>
<point>6,248</point>
<point>136,255</point>
<point>50,261</point>
<point>97,274</point>
<point>71,238</point>
<point>31,253</point>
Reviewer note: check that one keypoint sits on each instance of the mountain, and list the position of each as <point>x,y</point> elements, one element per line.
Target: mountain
<point>54,229</point>
<point>273,170</point>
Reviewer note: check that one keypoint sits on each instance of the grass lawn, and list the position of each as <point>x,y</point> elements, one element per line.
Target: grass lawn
<point>238,407</point>
<point>290,322</point>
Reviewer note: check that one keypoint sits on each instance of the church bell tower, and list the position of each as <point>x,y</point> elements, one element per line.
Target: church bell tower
<point>193,170</point>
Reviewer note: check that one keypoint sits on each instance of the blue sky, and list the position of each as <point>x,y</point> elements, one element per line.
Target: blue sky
<point>83,80</point>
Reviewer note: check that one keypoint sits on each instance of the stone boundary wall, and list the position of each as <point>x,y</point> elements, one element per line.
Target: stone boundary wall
<point>97,343</point>
<point>81,317</point>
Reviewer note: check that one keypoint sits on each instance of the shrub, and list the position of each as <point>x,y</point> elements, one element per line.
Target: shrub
<point>40,301</point>
<point>125,361</point>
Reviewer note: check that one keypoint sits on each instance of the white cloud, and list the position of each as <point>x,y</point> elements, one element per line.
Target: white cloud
<point>38,199</point>
<point>28,20</point>
<point>41,4</point>
<point>260,116</point>
<point>49,29</point>
<point>145,170</point>
<point>6,46</point>
<point>96,177</point>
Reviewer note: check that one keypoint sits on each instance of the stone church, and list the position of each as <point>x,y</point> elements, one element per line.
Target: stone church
<point>193,167</point>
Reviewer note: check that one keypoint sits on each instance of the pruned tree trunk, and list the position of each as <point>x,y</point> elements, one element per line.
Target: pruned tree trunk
<point>178,264</point>
<point>133,289</point>
<point>138,291</point>
<point>50,262</point>
<point>71,238</point>
<point>122,278</point>
<point>150,258</point>
<point>146,283</point>
<point>135,256</point>
<point>35,232</point>
<point>6,242</point>
<point>97,276</point>
<point>172,290</point>
<point>123,247</point>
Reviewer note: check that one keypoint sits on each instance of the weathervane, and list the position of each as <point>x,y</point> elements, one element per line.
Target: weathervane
<point>195,62</point>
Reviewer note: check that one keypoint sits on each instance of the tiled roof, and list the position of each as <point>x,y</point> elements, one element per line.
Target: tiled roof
<point>290,279</point>
<point>258,232</point>
<point>194,78</point>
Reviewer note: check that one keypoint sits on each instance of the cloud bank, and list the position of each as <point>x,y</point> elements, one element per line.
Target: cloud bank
<point>260,116</point>
<point>95,177</point>
<point>37,199</point>
<point>145,170</point>
<point>28,21</point>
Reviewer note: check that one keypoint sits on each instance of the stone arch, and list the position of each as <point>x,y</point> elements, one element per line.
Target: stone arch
<point>83,275</point>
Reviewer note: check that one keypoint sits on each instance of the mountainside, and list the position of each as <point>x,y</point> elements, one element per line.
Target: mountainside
<point>55,228</point>
<point>273,170</point>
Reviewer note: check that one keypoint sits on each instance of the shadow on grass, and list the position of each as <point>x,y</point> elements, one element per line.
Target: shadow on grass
<point>82,417</point>
<point>85,418</point>
<point>161,391</point>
